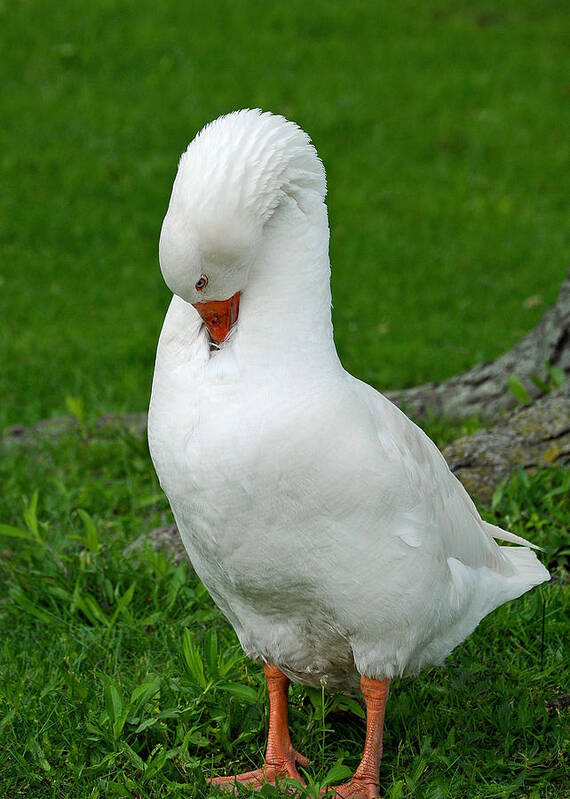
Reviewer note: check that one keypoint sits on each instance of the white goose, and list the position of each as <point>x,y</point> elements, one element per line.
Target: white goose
<point>326,526</point>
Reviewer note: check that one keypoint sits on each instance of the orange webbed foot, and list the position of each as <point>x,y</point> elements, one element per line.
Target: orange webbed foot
<point>272,773</point>
<point>356,788</point>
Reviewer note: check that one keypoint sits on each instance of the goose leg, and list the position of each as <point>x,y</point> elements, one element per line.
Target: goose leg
<point>280,757</point>
<point>365,781</point>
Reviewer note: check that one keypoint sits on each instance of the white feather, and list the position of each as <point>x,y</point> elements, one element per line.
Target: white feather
<point>325,524</point>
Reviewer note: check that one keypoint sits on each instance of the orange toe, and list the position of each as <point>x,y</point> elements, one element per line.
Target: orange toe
<point>356,788</point>
<point>252,779</point>
<point>272,774</point>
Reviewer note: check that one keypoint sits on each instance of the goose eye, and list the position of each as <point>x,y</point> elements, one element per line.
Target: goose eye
<point>201,283</point>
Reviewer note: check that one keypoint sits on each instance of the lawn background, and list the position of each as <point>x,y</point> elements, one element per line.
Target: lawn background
<point>441,125</point>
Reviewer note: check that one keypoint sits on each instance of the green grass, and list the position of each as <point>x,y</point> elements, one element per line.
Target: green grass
<point>442,127</point>
<point>119,677</point>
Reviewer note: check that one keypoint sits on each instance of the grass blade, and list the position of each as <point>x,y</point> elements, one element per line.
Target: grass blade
<point>243,692</point>
<point>517,389</point>
<point>143,692</point>
<point>123,602</point>
<point>193,659</point>
<point>18,596</point>
<point>16,532</point>
<point>91,537</point>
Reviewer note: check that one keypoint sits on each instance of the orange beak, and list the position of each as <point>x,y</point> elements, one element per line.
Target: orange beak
<point>219,316</point>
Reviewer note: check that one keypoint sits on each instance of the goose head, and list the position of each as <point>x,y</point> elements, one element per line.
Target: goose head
<point>236,176</point>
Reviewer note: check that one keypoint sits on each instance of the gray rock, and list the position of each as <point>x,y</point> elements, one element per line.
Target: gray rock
<point>531,437</point>
<point>165,539</point>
